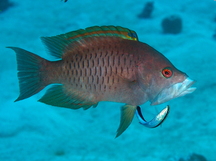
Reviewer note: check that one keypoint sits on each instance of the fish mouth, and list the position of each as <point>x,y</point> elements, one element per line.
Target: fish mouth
<point>174,91</point>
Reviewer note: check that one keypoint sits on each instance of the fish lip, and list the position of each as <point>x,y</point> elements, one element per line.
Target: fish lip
<point>174,91</point>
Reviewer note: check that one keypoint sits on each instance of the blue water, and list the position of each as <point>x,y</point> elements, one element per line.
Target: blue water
<point>32,131</point>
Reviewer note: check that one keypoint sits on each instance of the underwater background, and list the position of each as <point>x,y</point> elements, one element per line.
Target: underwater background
<point>32,131</point>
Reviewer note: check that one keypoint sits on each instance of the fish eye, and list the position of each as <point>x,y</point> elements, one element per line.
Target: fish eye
<point>167,72</point>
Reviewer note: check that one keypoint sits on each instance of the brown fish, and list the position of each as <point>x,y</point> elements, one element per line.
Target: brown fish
<point>104,63</point>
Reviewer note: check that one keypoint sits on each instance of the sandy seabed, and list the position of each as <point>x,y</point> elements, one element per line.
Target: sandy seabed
<point>32,131</point>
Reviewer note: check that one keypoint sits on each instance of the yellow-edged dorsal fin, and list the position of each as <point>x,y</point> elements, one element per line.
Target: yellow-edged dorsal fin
<point>57,45</point>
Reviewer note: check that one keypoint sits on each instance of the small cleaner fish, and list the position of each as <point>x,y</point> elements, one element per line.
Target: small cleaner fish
<point>105,63</point>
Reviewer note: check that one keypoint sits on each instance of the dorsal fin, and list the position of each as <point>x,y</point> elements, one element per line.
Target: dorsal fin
<point>57,45</point>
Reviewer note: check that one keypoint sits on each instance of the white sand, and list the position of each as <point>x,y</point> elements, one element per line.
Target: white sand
<point>32,131</point>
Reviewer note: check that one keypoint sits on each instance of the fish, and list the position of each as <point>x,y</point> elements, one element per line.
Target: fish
<point>102,63</point>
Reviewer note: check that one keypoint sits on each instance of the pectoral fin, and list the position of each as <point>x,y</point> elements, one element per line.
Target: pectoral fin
<point>127,114</point>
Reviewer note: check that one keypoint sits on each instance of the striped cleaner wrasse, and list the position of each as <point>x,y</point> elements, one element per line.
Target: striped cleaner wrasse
<point>105,63</point>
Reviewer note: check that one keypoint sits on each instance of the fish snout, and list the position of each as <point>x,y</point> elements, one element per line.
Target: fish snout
<point>174,91</point>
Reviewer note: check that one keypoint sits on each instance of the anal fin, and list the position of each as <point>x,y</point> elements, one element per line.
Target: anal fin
<point>58,96</point>
<point>127,114</point>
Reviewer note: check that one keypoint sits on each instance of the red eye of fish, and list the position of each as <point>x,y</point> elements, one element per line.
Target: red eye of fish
<point>167,72</point>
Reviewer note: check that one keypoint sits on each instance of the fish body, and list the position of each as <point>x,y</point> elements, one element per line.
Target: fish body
<point>100,64</point>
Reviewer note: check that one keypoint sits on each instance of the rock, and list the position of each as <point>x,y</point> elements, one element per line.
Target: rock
<point>4,5</point>
<point>214,35</point>
<point>194,157</point>
<point>147,10</point>
<point>197,157</point>
<point>172,24</point>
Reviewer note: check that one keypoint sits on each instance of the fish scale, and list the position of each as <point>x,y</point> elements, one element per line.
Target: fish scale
<point>96,64</point>
<point>114,64</point>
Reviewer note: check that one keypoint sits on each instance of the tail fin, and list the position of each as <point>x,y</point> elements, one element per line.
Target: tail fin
<point>29,67</point>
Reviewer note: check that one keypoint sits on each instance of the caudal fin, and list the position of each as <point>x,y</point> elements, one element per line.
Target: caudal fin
<point>30,79</point>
